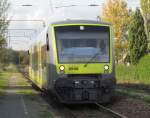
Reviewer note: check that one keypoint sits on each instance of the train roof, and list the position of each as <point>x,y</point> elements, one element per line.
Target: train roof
<point>79,22</point>
<point>70,15</point>
<point>42,35</point>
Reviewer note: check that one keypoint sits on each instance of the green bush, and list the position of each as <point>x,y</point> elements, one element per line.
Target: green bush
<point>137,38</point>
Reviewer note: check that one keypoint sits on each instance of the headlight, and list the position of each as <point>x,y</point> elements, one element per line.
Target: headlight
<point>82,28</point>
<point>106,67</point>
<point>62,68</point>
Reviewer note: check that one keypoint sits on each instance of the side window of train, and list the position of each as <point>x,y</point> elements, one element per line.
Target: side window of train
<point>47,42</point>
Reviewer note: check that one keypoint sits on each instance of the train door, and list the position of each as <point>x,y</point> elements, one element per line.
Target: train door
<point>30,63</point>
<point>48,64</point>
<point>43,65</point>
<point>32,70</point>
<point>35,65</point>
<point>39,66</point>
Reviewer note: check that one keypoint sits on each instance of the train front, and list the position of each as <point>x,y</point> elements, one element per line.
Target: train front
<point>84,62</point>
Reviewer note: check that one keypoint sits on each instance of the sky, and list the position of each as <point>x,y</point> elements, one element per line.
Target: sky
<point>41,10</point>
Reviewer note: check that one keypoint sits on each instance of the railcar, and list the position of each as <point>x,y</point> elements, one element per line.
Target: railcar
<point>74,59</point>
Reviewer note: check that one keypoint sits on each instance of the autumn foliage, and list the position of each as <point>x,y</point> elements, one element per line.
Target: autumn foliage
<point>117,13</point>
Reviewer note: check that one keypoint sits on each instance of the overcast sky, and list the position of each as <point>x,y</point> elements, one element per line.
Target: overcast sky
<point>41,10</point>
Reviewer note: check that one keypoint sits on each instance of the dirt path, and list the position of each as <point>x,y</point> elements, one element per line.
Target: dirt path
<point>21,101</point>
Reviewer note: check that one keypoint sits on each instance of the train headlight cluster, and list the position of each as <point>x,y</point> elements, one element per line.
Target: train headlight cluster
<point>106,67</point>
<point>62,68</point>
<point>82,27</point>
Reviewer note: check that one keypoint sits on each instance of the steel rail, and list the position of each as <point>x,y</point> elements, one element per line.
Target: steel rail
<point>107,110</point>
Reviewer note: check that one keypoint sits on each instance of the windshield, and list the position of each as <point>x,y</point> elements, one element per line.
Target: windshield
<point>78,44</point>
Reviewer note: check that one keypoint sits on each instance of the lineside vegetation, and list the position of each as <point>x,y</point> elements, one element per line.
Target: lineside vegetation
<point>135,74</point>
<point>131,40</point>
<point>4,6</point>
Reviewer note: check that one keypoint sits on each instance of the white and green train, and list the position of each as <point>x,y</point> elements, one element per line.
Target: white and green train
<point>75,60</point>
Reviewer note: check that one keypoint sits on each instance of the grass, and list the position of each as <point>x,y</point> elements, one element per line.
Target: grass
<point>4,81</point>
<point>47,114</point>
<point>29,92</point>
<point>137,77</point>
<point>27,86</point>
<point>139,74</point>
<point>22,81</point>
<point>135,94</point>
<point>4,78</point>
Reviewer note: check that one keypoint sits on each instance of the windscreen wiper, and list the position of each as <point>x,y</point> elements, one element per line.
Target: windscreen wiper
<point>91,59</point>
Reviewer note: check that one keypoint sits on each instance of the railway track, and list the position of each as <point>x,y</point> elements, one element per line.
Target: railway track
<point>98,111</point>
<point>109,111</point>
<point>94,111</point>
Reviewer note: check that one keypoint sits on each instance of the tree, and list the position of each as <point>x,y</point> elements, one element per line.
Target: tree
<point>145,5</point>
<point>137,38</point>
<point>8,56</point>
<point>24,58</point>
<point>116,12</point>
<point>4,5</point>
